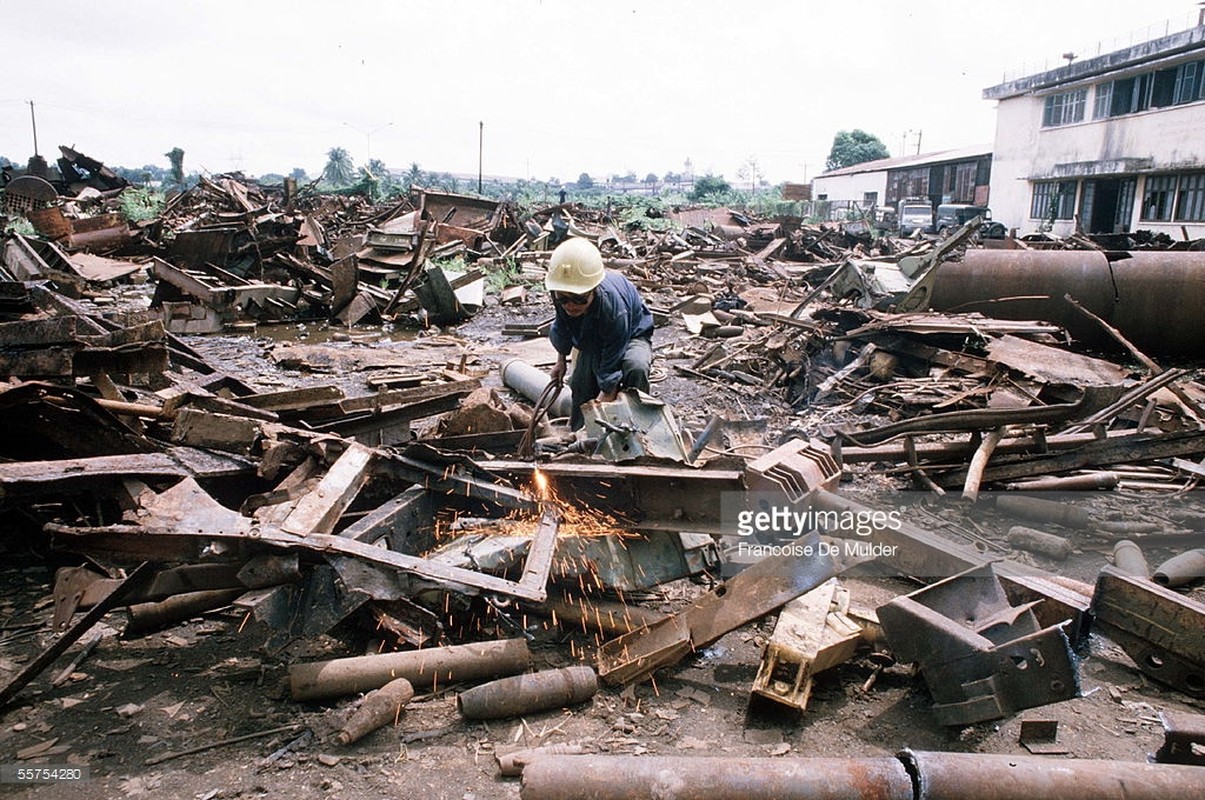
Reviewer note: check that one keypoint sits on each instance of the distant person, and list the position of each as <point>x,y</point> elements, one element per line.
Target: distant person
<point>601,313</point>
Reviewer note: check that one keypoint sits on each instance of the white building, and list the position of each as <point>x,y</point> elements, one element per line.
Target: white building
<point>1110,144</point>
<point>945,176</point>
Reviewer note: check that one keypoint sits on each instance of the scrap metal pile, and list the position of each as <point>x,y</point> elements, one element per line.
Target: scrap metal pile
<point>186,487</point>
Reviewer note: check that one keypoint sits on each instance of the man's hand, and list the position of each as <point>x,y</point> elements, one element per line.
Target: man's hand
<point>608,397</point>
<point>558,370</point>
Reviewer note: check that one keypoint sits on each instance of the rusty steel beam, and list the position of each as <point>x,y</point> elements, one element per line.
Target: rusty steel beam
<point>1141,447</point>
<point>1162,631</point>
<point>647,497</point>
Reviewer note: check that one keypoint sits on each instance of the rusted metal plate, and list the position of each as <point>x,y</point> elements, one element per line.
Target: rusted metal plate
<point>981,657</point>
<point>1183,739</point>
<point>642,497</point>
<point>1054,364</point>
<point>1161,630</point>
<point>753,593</point>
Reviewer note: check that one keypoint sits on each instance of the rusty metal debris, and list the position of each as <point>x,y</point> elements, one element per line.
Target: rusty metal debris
<point>1159,629</point>
<point>981,656</point>
<point>407,502</point>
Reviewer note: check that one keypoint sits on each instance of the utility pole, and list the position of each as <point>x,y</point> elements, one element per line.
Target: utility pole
<point>34,122</point>
<point>480,151</point>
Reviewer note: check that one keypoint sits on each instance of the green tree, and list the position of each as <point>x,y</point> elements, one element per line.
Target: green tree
<point>176,157</point>
<point>584,181</point>
<point>854,147</point>
<point>709,186</point>
<point>298,174</point>
<point>377,167</point>
<point>413,176</point>
<point>339,169</point>
<point>651,178</point>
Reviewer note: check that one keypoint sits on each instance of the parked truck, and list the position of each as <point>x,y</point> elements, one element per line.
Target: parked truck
<point>914,214</point>
<point>952,216</point>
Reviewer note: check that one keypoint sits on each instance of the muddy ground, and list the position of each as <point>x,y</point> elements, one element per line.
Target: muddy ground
<point>135,706</point>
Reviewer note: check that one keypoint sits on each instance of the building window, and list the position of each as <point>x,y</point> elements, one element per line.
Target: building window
<point>1157,198</point>
<point>1166,87</point>
<point>1102,107</point>
<point>1190,198</point>
<point>1189,86</point>
<point>1065,108</point>
<point>1053,200</point>
<point>870,199</point>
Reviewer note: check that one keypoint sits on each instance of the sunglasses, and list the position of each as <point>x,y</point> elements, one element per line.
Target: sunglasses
<point>566,299</point>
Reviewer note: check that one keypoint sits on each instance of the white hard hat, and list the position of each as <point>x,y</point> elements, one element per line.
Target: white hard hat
<point>576,266</point>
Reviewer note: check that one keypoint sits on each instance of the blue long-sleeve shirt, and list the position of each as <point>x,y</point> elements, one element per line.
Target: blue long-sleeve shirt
<point>616,317</point>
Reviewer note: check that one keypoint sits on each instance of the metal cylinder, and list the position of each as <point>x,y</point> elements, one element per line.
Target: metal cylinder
<point>1036,541</point>
<point>528,694</point>
<point>1071,483</point>
<point>1128,558</point>
<point>685,778</point>
<point>148,617</point>
<point>958,776</point>
<point>428,667</point>
<point>1181,570</point>
<point>1152,298</point>
<point>530,382</point>
<point>379,708</point>
<point>598,615</point>
<point>1039,510</point>
<point>512,762</point>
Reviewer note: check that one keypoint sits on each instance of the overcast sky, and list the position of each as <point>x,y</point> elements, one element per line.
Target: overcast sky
<point>560,86</point>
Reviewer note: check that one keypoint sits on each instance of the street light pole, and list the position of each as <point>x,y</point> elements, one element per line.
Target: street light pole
<point>368,136</point>
<point>480,151</point>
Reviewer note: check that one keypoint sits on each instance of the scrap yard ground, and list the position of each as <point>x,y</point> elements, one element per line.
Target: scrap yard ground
<point>286,392</point>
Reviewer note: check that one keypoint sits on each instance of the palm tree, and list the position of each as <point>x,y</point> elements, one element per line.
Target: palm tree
<point>413,176</point>
<point>339,169</point>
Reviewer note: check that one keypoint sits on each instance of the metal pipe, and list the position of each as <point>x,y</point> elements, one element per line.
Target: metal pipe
<point>1072,483</point>
<point>528,694</point>
<point>1153,298</point>
<point>555,777</point>
<point>1181,570</point>
<point>431,666</point>
<point>909,776</point>
<point>530,382</point>
<point>957,776</point>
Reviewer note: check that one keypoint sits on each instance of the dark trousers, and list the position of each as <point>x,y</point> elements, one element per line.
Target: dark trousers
<point>637,360</point>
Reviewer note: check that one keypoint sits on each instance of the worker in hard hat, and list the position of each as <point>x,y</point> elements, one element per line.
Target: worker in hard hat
<point>601,313</point>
